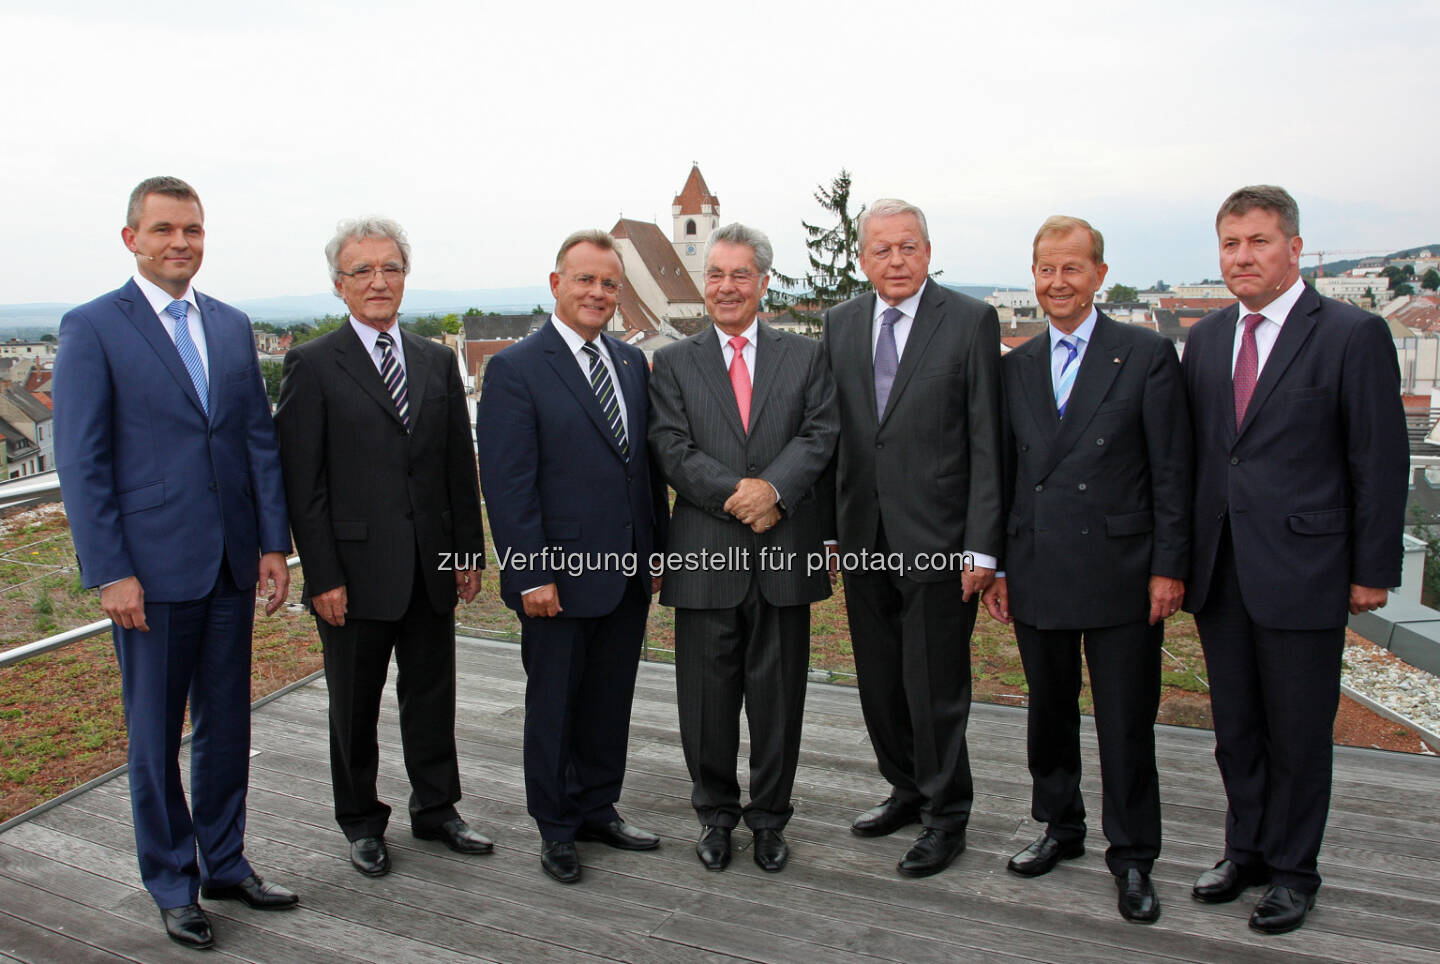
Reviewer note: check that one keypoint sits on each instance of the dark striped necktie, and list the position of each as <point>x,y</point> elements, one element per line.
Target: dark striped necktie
<point>605,394</point>
<point>393,376</point>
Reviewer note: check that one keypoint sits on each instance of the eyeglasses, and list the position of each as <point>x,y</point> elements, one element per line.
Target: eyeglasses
<point>391,272</point>
<point>882,252</point>
<point>609,285</point>
<point>740,277</point>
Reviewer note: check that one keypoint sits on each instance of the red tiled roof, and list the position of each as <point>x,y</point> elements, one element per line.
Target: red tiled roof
<point>660,259</point>
<point>695,194</point>
<point>634,314</point>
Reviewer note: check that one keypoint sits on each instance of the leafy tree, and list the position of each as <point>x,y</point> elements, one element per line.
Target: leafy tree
<point>473,312</point>
<point>271,370</point>
<point>271,327</point>
<point>1404,289</point>
<point>305,332</point>
<point>1122,293</point>
<point>1431,281</point>
<point>49,337</point>
<point>538,310</point>
<point>834,275</point>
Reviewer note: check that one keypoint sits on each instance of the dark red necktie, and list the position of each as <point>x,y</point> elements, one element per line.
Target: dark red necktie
<point>1247,368</point>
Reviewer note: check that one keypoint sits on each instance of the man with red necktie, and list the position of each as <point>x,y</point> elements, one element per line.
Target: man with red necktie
<point>743,428</point>
<point>1301,466</point>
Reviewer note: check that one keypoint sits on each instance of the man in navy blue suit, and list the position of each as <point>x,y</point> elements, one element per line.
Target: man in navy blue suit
<point>575,511</point>
<point>1301,464</point>
<point>172,485</point>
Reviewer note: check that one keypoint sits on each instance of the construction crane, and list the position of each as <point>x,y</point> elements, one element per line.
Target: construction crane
<point>1320,256</point>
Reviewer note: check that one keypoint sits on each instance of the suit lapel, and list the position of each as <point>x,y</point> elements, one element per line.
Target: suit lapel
<point>1293,334</point>
<point>710,360</point>
<point>557,353</point>
<point>860,352</point>
<point>355,361</point>
<point>143,317</point>
<point>1102,362</point>
<point>1038,387</point>
<point>1221,361</point>
<point>929,316</point>
<point>769,356</point>
<point>417,374</point>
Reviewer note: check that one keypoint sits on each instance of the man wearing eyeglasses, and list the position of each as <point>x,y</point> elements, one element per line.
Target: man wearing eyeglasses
<point>918,493</point>
<point>745,424</point>
<point>575,513</point>
<point>385,508</point>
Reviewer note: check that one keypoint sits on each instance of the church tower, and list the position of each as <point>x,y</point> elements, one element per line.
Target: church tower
<point>697,213</point>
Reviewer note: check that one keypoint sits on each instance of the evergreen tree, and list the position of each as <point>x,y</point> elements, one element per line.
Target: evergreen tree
<point>834,275</point>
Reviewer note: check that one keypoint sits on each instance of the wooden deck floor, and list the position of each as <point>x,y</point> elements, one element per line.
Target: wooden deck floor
<point>70,892</point>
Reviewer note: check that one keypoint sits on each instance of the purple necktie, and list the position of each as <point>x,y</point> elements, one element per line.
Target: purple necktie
<point>887,359</point>
<point>1247,368</point>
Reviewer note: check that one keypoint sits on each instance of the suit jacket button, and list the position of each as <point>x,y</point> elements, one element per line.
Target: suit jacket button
<point>879,445</point>
<point>213,486</point>
<point>1040,487</point>
<point>1081,486</point>
<point>627,525</point>
<point>1084,530</point>
<point>1024,448</point>
<point>1099,441</point>
<point>409,515</point>
<point>1234,460</point>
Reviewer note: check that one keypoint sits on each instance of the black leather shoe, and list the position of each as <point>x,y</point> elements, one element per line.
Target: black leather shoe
<point>713,848</point>
<point>885,819</point>
<point>458,836</point>
<point>370,856</point>
<point>932,852</point>
<point>1042,856</point>
<point>254,892</point>
<point>1138,903</point>
<point>1225,881</point>
<point>189,926</point>
<point>559,859</point>
<point>619,834</point>
<point>771,851</point>
<point>1281,910</point>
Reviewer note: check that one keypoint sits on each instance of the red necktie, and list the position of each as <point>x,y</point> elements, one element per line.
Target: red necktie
<point>740,379</point>
<point>1247,368</point>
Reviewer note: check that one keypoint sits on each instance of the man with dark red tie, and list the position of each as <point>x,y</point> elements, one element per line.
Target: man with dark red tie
<point>1301,465</point>
<point>744,425</point>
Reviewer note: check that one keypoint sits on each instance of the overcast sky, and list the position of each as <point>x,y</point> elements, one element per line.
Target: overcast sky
<point>491,130</point>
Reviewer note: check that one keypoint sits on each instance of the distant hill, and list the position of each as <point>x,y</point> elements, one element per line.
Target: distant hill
<point>1333,268</point>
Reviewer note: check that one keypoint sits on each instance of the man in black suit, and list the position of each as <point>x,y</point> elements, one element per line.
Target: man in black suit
<point>576,512</point>
<point>918,493</point>
<point>744,426</point>
<point>1098,543</point>
<point>385,508</point>
<point>1300,486</point>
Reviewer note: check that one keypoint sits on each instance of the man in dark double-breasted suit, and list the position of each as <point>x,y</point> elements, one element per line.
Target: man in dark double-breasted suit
<point>385,507</point>
<point>1098,530</point>
<point>744,426</point>
<point>1301,462</point>
<point>917,513</point>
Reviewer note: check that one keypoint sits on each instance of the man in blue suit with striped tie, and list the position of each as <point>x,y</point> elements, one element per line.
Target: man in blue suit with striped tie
<point>171,480</point>
<point>576,511</point>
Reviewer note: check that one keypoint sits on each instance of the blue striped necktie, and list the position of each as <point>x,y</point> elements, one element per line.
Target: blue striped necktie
<point>189,354</point>
<point>393,376</point>
<point>1067,374</point>
<point>605,394</point>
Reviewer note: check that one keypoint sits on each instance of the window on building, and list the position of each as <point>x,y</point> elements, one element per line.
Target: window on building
<point>690,227</point>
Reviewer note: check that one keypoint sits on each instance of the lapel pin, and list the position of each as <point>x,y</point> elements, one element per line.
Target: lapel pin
<point>1117,361</point>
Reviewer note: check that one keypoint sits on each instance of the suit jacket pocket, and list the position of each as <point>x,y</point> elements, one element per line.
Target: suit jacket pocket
<point>939,372</point>
<point>350,530</point>
<point>1324,522</point>
<point>1308,394</point>
<point>1129,524</point>
<point>1114,405</point>
<point>143,497</point>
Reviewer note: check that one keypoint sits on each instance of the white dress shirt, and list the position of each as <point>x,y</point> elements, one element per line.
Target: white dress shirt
<point>577,344</point>
<point>160,300</point>
<point>1268,330</point>
<point>368,337</point>
<point>1080,336</point>
<point>748,353</point>
<point>908,307</point>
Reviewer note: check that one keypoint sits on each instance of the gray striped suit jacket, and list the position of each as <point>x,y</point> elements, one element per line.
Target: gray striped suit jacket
<point>703,451</point>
